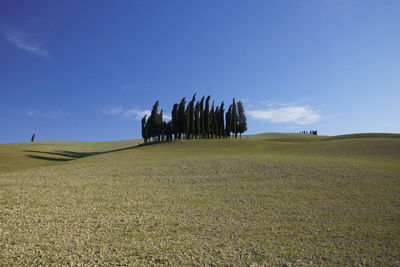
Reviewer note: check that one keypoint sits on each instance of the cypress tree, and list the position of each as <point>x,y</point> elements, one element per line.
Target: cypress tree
<point>228,121</point>
<point>242,123</point>
<point>207,118</point>
<point>169,130</point>
<point>148,128</point>
<point>211,122</point>
<point>181,118</point>
<point>191,117</point>
<point>197,120</point>
<point>221,120</point>
<point>174,121</point>
<point>153,121</point>
<point>187,121</point>
<point>144,134</point>
<point>161,129</point>
<point>202,117</point>
<point>234,118</point>
<point>216,124</point>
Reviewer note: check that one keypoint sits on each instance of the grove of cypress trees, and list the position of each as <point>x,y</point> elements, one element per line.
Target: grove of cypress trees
<point>196,120</point>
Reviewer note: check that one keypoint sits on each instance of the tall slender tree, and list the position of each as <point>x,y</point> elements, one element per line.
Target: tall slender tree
<point>169,130</point>
<point>202,117</point>
<point>187,121</point>
<point>216,125</point>
<point>161,129</point>
<point>144,134</point>
<point>228,121</point>
<point>211,121</point>
<point>174,121</point>
<point>207,118</point>
<point>154,121</point>
<point>191,117</point>
<point>242,123</point>
<point>234,118</point>
<point>197,120</point>
<point>221,120</point>
<point>181,118</point>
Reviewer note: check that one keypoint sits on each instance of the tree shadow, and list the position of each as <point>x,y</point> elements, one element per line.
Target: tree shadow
<point>48,158</point>
<point>72,155</point>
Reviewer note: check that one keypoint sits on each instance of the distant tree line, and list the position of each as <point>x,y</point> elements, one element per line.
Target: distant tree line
<point>311,132</point>
<point>195,120</point>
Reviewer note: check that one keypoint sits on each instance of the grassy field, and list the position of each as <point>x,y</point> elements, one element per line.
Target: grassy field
<point>269,199</point>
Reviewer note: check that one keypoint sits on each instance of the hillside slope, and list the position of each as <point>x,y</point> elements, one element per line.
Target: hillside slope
<point>202,202</point>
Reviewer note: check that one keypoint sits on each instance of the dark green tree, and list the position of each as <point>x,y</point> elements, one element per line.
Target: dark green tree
<point>154,122</point>
<point>228,121</point>
<point>169,130</point>
<point>216,125</point>
<point>234,118</point>
<point>174,121</point>
<point>207,118</point>
<point>221,120</point>
<point>187,121</point>
<point>211,121</point>
<point>181,119</point>
<point>242,123</point>
<point>161,130</point>
<point>144,134</point>
<point>197,120</point>
<point>202,117</point>
<point>191,116</point>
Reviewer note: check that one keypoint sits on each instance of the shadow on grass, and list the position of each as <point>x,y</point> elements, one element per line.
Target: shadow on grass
<point>48,158</point>
<point>71,155</point>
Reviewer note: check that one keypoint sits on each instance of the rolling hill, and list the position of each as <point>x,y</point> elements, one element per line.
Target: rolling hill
<point>268,199</point>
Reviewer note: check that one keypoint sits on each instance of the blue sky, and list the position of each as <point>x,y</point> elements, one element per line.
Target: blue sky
<point>87,70</point>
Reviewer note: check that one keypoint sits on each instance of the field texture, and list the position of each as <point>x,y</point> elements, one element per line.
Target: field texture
<point>263,200</point>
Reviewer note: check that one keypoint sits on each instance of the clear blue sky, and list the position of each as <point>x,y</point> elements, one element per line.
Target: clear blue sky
<point>86,70</point>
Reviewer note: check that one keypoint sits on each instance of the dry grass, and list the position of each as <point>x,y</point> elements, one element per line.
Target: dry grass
<point>262,202</point>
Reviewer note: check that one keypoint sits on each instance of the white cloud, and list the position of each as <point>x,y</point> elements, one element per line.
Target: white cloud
<point>113,110</point>
<point>55,114</point>
<point>139,114</point>
<point>20,41</point>
<point>128,113</point>
<point>301,115</point>
<point>167,117</point>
